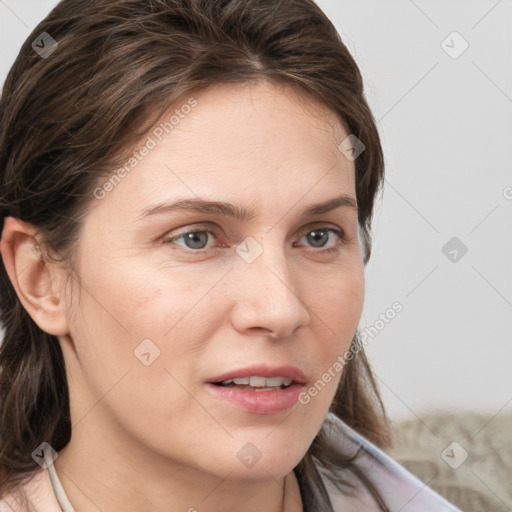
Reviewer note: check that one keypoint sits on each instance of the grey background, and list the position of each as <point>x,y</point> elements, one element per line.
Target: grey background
<point>446,127</point>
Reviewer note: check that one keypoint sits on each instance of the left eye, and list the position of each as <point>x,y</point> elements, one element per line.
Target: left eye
<point>199,239</point>
<point>321,235</point>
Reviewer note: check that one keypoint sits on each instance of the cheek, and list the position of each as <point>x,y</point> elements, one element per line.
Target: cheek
<point>338,303</point>
<point>336,306</point>
<point>128,290</point>
<point>131,302</point>
<point>129,333</point>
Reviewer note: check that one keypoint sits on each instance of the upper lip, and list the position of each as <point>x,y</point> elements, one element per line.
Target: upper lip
<point>288,372</point>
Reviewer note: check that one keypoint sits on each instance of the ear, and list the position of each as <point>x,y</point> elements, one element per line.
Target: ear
<point>31,276</point>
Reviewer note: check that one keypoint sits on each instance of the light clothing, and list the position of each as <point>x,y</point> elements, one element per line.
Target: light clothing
<point>399,489</point>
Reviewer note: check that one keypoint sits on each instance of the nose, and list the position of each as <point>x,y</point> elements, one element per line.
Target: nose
<point>267,297</point>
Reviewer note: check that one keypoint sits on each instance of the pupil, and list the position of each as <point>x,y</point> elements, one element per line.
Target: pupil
<point>195,239</point>
<point>314,236</point>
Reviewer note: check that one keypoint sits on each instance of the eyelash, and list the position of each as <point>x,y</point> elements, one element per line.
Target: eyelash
<point>338,232</point>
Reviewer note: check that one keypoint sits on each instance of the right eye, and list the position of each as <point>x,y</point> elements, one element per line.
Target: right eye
<point>194,240</point>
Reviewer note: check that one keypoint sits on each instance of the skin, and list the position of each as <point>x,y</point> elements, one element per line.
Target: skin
<point>152,437</point>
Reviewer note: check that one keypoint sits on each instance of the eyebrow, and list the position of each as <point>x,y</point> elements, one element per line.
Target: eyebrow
<point>240,213</point>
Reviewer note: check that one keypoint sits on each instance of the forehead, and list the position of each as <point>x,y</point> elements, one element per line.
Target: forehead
<point>262,117</point>
<point>234,139</point>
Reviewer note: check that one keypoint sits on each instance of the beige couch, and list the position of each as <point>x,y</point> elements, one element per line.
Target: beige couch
<point>466,457</point>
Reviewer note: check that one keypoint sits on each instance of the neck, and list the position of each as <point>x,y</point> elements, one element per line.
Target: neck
<point>108,475</point>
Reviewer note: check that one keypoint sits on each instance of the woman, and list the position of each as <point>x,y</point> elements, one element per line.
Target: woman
<point>187,194</point>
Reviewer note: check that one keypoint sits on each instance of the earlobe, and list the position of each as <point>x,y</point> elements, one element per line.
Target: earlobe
<point>31,275</point>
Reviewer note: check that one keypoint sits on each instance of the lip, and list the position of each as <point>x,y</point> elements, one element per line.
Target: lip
<point>259,402</point>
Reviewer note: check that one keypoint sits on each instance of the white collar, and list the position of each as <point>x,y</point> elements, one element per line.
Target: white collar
<point>60,494</point>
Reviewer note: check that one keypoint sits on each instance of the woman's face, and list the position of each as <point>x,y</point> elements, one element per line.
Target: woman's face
<point>161,315</point>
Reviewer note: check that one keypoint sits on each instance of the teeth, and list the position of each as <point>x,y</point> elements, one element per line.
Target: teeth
<point>241,381</point>
<point>259,382</point>
<point>278,381</point>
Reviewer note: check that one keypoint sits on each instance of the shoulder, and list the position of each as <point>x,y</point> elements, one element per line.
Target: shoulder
<point>36,495</point>
<point>396,486</point>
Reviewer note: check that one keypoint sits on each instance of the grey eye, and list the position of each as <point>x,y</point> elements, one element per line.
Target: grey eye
<point>193,239</point>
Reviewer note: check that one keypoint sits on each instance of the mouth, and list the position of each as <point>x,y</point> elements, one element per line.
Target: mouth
<point>259,389</point>
<point>256,383</point>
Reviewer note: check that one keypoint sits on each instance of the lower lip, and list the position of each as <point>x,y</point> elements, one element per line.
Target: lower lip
<point>259,402</point>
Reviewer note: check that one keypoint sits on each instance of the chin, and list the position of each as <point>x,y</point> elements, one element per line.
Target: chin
<point>255,460</point>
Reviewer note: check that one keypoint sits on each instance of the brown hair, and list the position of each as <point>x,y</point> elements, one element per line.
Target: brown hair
<point>66,119</point>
